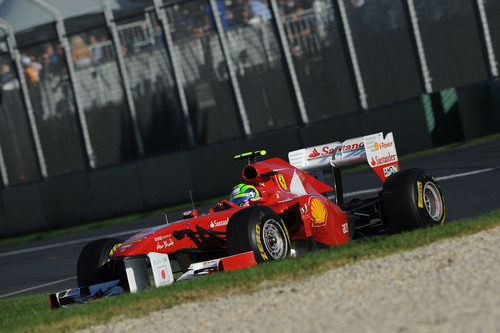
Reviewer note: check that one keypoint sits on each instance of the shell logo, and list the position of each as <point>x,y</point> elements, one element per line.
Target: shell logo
<point>318,211</point>
<point>376,146</point>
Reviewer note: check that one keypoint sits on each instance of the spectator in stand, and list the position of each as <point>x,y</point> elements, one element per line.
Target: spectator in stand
<point>80,52</point>
<point>4,74</point>
<point>260,8</point>
<point>95,49</point>
<point>209,18</point>
<point>357,3</point>
<point>50,60</point>
<point>32,68</point>
<point>294,10</point>
<point>241,12</point>
<point>288,7</point>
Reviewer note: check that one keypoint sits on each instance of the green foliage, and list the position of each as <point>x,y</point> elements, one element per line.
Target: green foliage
<point>31,313</point>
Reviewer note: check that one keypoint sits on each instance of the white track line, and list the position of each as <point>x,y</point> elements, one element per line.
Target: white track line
<point>36,287</point>
<point>87,239</point>
<point>349,194</point>
<point>464,174</point>
<point>457,175</point>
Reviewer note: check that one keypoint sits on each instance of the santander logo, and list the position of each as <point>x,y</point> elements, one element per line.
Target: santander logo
<point>383,160</point>
<point>314,153</point>
<point>215,223</point>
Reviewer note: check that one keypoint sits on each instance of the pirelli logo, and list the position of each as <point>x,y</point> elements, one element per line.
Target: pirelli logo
<point>259,242</point>
<point>420,195</point>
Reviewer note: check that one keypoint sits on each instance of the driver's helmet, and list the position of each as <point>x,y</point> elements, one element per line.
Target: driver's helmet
<point>241,193</point>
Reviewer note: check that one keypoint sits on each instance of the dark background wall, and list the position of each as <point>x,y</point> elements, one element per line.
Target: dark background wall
<point>206,171</point>
<point>463,105</point>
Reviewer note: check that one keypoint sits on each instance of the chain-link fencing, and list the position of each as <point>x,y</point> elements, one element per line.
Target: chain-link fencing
<point>170,75</point>
<point>319,57</point>
<point>148,66</point>
<point>452,42</point>
<point>15,136</point>
<point>52,99</point>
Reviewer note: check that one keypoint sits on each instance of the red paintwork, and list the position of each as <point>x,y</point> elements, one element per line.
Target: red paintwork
<point>238,261</point>
<point>285,189</point>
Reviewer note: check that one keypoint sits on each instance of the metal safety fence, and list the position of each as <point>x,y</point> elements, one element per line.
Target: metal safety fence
<point>172,75</point>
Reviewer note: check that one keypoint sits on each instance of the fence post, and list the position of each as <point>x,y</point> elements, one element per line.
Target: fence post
<point>230,67</point>
<point>487,38</point>
<point>63,38</point>
<point>110,22</point>
<point>299,99</point>
<point>3,169</point>
<point>14,52</point>
<point>177,73</point>
<point>352,53</point>
<point>426,77</point>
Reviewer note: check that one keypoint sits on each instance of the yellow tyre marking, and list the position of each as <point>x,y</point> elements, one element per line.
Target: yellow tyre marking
<point>420,195</point>
<point>113,251</point>
<point>259,242</point>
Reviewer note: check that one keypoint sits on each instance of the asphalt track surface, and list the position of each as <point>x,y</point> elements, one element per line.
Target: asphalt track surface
<point>469,178</point>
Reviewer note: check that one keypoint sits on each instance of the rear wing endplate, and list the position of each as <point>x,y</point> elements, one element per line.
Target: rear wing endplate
<point>379,152</point>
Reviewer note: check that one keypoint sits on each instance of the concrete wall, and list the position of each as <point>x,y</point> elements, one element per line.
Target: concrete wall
<point>207,171</point>
<point>479,108</point>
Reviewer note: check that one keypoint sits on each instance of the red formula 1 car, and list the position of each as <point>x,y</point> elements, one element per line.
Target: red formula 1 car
<point>289,212</point>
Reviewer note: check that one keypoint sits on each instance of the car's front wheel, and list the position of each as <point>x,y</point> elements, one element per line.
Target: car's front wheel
<point>258,229</point>
<point>95,265</point>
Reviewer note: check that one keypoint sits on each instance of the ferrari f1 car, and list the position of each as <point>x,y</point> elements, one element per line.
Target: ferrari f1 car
<point>291,214</point>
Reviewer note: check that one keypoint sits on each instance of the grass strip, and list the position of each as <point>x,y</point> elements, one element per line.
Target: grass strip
<point>50,234</point>
<point>31,313</point>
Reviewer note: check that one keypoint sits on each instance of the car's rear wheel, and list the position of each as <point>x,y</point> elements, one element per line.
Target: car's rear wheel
<point>95,265</point>
<point>412,199</point>
<point>258,229</point>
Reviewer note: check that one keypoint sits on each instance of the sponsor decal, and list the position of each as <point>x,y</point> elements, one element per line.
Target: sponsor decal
<point>382,145</point>
<point>157,239</point>
<point>383,159</point>
<point>420,196</point>
<point>303,210</point>
<point>322,151</point>
<point>314,154</point>
<point>282,182</point>
<point>353,146</point>
<point>345,228</point>
<point>125,246</point>
<point>165,244</point>
<point>390,170</point>
<point>318,212</point>
<point>215,223</point>
<point>259,241</point>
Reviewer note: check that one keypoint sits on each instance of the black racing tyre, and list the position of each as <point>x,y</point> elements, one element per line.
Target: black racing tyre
<point>411,199</point>
<point>94,265</point>
<point>258,229</point>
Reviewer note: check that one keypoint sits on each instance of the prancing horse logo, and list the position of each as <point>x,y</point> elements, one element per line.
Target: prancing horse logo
<point>281,179</point>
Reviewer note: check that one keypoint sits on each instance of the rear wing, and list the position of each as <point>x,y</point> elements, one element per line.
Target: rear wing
<point>380,154</point>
